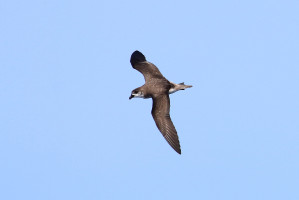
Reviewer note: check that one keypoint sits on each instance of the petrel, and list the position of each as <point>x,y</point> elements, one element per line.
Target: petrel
<point>158,88</point>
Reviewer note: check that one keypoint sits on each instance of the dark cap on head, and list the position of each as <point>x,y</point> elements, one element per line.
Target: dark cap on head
<point>137,57</point>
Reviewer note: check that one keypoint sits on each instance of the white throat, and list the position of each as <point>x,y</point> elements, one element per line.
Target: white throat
<point>138,95</point>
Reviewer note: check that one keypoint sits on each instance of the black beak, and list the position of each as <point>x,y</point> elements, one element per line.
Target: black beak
<point>131,96</point>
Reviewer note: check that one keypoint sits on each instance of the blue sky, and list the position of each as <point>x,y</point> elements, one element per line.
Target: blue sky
<point>68,130</point>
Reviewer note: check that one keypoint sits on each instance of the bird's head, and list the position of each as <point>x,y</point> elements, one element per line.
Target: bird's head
<point>136,93</point>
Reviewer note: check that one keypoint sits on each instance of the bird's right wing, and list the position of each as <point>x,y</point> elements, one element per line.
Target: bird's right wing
<point>160,112</point>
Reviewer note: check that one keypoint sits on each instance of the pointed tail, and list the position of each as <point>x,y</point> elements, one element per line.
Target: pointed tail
<point>182,86</point>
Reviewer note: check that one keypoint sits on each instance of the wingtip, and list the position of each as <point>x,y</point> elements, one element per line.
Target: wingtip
<point>179,152</point>
<point>137,57</point>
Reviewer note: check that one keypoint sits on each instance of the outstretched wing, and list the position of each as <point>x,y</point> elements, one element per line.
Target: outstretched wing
<point>160,112</point>
<point>149,70</point>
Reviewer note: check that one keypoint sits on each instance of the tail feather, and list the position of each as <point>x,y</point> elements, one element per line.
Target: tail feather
<point>176,87</point>
<point>183,86</point>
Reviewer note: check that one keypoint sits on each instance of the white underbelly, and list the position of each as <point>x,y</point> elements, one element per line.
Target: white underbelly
<point>172,90</point>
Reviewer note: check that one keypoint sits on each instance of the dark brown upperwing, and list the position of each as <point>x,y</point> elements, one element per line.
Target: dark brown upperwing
<point>160,112</point>
<point>149,70</point>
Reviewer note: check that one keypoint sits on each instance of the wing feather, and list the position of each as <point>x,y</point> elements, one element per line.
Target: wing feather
<point>148,70</point>
<point>160,113</point>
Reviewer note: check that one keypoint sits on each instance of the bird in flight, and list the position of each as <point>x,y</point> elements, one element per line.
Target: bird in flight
<point>158,88</point>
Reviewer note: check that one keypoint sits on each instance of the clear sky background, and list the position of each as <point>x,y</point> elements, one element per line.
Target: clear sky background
<point>69,131</point>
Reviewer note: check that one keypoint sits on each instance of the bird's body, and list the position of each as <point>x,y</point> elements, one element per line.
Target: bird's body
<point>158,88</point>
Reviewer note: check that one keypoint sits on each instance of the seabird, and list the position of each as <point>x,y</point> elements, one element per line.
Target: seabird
<point>158,88</point>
